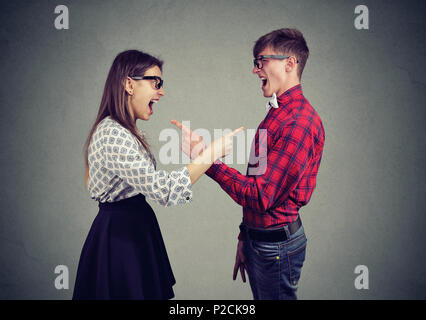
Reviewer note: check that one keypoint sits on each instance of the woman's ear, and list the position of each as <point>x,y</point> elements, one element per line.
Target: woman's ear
<point>129,86</point>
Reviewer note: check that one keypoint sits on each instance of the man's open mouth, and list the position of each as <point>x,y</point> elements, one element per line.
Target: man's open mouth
<point>264,81</point>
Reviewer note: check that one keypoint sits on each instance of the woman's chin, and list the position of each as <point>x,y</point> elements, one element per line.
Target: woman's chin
<point>144,117</point>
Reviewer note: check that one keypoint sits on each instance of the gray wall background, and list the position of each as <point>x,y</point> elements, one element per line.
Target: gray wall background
<point>367,85</point>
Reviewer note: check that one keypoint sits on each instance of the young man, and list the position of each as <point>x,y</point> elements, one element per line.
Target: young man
<point>272,242</point>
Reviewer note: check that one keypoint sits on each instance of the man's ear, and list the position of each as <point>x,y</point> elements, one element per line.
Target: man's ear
<point>128,86</point>
<point>291,64</point>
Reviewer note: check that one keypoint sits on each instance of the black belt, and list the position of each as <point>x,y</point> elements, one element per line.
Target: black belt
<point>271,235</point>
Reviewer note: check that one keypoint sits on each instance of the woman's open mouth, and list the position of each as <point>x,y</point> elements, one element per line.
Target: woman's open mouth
<point>264,82</point>
<point>150,104</point>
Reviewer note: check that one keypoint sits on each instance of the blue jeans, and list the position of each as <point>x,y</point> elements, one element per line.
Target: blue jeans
<point>274,268</point>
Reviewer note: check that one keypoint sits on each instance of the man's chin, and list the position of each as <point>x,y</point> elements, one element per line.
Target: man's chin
<point>266,93</point>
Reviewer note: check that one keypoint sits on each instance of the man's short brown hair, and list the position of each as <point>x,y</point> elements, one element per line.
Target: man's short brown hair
<point>285,41</point>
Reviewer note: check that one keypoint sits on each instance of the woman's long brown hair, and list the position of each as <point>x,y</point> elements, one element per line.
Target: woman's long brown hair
<point>114,98</point>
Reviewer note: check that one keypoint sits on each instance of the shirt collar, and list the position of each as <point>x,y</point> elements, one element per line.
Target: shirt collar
<point>283,99</point>
<point>290,94</point>
<point>273,103</point>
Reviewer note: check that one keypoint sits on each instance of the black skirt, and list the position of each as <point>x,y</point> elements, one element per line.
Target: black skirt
<point>124,256</point>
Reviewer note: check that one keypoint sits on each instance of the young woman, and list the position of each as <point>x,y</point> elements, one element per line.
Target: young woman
<point>124,256</point>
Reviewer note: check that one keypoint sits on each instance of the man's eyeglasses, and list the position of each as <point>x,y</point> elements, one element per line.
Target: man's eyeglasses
<point>258,62</point>
<point>157,80</point>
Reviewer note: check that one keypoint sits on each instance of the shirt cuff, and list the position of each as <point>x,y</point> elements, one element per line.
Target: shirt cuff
<point>184,182</point>
<point>211,172</point>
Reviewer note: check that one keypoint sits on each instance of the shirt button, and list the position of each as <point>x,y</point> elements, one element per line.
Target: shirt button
<point>187,198</point>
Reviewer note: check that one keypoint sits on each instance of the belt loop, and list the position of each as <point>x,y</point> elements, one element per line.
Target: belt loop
<point>287,231</point>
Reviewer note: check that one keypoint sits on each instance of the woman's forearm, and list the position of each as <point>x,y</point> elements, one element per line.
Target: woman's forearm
<point>200,164</point>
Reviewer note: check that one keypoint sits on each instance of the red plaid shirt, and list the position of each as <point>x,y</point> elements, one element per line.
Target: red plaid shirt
<point>294,141</point>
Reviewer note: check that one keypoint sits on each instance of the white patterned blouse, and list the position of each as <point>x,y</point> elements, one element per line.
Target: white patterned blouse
<point>119,169</point>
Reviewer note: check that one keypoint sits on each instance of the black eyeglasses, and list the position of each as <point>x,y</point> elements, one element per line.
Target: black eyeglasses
<point>158,81</point>
<point>258,62</point>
